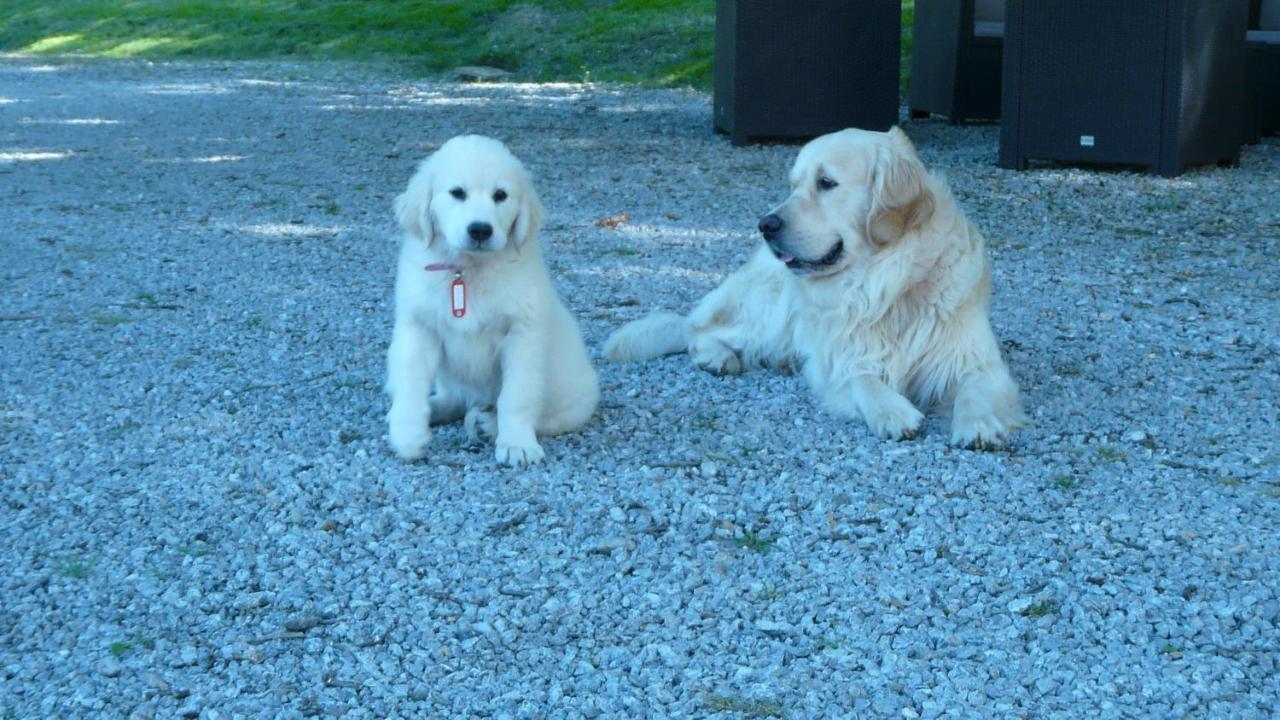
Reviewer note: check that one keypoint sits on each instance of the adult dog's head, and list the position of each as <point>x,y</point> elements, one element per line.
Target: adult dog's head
<point>853,193</point>
<point>473,197</point>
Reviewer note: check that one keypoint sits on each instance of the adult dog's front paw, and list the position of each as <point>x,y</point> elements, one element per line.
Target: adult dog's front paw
<point>410,436</point>
<point>715,357</point>
<point>519,453</point>
<point>897,419</point>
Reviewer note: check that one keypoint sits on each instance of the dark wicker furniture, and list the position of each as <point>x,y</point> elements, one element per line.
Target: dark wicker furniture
<point>1264,68</point>
<point>1156,83</point>
<point>801,68</point>
<point>955,59</point>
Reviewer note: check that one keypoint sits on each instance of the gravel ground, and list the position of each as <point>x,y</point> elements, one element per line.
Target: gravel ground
<point>201,517</point>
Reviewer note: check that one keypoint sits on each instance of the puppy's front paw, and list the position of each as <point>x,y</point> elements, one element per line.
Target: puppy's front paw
<point>896,420</point>
<point>519,454</point>
<point>979,433</point>
<point>410,436</point>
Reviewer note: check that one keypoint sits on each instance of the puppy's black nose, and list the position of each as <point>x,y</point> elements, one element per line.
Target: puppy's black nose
<point>480,231</point>
<point>770,226</point>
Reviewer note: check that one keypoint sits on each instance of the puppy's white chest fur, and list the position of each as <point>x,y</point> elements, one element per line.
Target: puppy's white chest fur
<point>471,345</point>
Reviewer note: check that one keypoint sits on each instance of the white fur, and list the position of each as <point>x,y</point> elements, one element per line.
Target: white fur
<point>899,322</point>
<point>517,348</point>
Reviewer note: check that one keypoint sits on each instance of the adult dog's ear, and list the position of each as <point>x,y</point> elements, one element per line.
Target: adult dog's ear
<point>901,201</point>
<point>530,214</point>
<point>413,206</point>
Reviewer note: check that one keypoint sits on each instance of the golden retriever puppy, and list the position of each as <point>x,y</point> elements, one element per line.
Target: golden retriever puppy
<point>478,325</point>
<point>871,280</point>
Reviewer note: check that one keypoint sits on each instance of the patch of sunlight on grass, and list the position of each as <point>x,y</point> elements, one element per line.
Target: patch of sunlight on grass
<point>140,46</point>
<point>67,121</point>
<point>7,158</point>
<point>695,73</point>
<point>53,43</point>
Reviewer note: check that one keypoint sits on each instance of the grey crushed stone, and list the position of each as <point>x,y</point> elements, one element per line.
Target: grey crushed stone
<point>196,303</point>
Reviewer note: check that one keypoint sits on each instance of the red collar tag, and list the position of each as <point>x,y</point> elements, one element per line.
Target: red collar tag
<point>457,288</point>
<point>458,295</point>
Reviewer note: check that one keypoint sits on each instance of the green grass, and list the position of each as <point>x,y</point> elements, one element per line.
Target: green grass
<point>120,647</point>
<point>119,431</point>
<point>665,42</point>
<point>653,42</point>
<point>1040,609</point>
<point>1111,454</point>
<point>197,549</point>
<point>752,708</point>
<point>1065,482</point>
<point>768,595</point>
<point>111,319</point>
<point>76,568</point>
<point>755,543</point>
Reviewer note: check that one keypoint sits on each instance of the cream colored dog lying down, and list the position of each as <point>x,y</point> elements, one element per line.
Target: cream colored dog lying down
<point>478,324</point>
<point>873,281</point>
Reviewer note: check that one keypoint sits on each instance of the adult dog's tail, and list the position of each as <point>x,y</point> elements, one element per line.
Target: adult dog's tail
<point>658,334</point>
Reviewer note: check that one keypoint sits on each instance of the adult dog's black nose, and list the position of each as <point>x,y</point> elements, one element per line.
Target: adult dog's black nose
<point>479,231</point>
<point>770,225</point>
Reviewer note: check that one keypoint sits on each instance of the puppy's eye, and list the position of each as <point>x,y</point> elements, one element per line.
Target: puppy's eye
<point>458,193</point>
<point>499,196</point>
<point>826,183</point>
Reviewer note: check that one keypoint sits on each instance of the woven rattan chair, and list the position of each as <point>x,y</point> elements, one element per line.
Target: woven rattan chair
<point>955,59</point>
<point>1155,83</point>
<point>801,68</point>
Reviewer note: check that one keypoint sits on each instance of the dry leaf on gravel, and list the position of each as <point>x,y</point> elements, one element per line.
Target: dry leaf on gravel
<point>612,221</point>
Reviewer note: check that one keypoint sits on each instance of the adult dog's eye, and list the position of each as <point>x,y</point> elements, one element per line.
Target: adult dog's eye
<point>458,193</point>
<point>826,183</point>
<point>499,196</point>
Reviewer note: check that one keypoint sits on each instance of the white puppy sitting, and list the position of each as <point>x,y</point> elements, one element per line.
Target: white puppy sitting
<point>477,322</point>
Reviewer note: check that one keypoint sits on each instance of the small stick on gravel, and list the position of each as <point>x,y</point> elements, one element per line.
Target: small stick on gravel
<point>1232,651</point>
<point>268,386</point>
<point>144,306</point>
<point>676,465</point>
<point>282,635</point>
<point>441,595</point>
<point>506,525</point>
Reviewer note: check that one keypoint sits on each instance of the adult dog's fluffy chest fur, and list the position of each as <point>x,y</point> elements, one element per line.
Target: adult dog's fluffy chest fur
<point>895,318</point>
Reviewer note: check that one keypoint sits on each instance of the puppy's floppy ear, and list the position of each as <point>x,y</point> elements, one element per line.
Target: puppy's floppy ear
<point>901,201</point>
<point>413,206</point>
<point>530,213</point>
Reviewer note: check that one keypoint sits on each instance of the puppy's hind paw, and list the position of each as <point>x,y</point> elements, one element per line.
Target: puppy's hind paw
<point>481,424</point>
<point>519,454</point>
<point>898,421</point>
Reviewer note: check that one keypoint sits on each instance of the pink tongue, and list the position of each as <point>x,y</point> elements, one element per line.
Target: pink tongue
<point>786,258</point>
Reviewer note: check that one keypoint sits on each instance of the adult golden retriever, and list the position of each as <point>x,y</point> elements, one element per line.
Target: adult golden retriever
<point>872,281</point>
<point>478,325</point>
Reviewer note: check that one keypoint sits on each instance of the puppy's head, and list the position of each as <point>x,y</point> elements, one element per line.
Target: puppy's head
<point>853,193</point>
<point>472,196</point>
